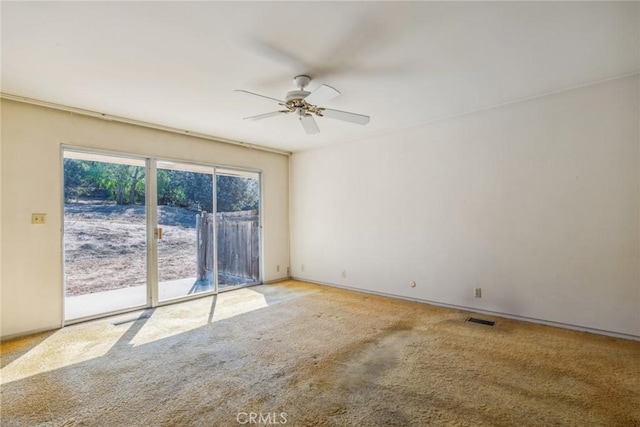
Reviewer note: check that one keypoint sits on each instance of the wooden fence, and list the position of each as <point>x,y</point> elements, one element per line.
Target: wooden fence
<point>238,244</point>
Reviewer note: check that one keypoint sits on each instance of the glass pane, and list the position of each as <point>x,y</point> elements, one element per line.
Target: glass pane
<point>185,249</point>
<point>238,228</point>
<point>104,234</point>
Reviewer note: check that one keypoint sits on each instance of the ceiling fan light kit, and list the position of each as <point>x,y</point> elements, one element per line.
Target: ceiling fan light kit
<point>305,105</point>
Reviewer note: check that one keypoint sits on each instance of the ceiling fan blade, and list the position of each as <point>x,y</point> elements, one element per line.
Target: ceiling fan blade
<point>266,115</point>
<point>345,116</point>
<point>310,126</point>
<point>321,95</point>
<point>261,96</point>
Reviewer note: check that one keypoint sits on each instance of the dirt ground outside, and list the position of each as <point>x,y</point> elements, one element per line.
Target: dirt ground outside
<point>105,246</point>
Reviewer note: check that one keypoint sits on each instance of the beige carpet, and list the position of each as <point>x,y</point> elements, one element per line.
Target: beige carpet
<point>305,355</point>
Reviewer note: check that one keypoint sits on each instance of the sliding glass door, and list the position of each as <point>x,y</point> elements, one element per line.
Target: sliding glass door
<point>238,227</point>
<point>140,232</point>
<point>105,226</point>
<point>185,229</point>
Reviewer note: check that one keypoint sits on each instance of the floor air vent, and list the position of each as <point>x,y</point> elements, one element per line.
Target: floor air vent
<point>481,321</point>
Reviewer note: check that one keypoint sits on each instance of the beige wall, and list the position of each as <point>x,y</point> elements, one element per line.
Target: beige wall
<point>32,289</point>
<point>536,202</point>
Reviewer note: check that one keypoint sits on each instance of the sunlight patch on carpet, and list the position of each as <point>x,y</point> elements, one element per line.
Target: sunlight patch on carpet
<point>66,347</point>
<point>79,343</point>
<point>180,318</point>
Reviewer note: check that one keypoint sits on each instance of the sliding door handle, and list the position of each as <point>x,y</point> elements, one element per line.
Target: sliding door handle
<point>159,233</point>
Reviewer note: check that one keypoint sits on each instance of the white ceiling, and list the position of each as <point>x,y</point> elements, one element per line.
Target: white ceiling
<point>403,63</point>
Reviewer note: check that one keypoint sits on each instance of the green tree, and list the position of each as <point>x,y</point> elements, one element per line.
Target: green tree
<point>237,193</point>
<point>122,183</point>
<point>189,190</point>
<point>170,189</point>
<point>76,182</point>
<point>125,184</point>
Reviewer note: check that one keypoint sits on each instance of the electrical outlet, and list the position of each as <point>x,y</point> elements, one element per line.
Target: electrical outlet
<point>38,218</point>
<point>344,274</point>
<point>477,292</point>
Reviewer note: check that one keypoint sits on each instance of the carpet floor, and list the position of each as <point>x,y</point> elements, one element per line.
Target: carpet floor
<point>300,354</point>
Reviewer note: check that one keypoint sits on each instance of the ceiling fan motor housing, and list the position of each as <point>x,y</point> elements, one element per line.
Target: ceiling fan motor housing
<point>295,95</point>
<point>301,81</point>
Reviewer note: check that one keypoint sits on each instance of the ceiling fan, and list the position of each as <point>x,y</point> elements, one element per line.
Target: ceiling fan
<point>305,105</point>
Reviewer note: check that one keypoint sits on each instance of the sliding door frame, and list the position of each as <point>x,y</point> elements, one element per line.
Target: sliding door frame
<point>151,206</point>
<point>153,226</point>
<point>109,153</point>
<point>260,236</point>
<point>152,241</point>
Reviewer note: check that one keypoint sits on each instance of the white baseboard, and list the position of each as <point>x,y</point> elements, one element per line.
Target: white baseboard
<point>268,282</point>
<point>480,311</point>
